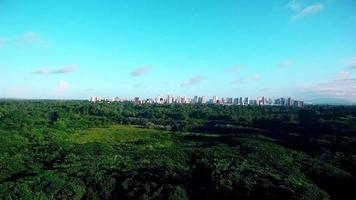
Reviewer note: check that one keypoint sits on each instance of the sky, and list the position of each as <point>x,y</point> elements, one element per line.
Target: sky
<point>303,49</point>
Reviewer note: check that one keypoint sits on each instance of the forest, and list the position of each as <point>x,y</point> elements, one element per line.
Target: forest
<point>53,149</point>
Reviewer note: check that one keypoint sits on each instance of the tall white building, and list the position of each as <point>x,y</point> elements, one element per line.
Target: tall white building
<point>215,99</point>
<point>169,99</point>
<point>95,99</point>
<point>204,100</point>
<point>157,99</point>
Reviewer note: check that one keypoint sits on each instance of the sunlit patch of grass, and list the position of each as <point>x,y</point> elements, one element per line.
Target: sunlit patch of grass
<point>143,138</point>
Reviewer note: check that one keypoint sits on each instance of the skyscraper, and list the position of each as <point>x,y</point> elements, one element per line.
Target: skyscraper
<point>196,99</point>
<point>236,101</point>
<point>215,99</point>
<point>229,100</point>
<point>246,101</point>
<point>169,99</point>
<point>204,100</point>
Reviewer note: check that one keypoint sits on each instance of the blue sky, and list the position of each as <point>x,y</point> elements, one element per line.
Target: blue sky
<point>75,49</point>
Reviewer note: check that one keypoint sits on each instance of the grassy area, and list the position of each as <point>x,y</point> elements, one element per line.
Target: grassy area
<point>133,135</point>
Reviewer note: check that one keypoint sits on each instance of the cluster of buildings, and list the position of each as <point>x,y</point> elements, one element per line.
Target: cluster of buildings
<point>246,101</point>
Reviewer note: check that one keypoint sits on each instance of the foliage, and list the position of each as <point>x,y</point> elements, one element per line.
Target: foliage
<point>80,150</point>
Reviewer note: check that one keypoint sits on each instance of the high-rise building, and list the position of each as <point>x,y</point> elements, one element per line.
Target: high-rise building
<point>223,101</point>
<point>253,102</point>
<point>290,102</point>
<point>95,99</point>
<point>204,100</point>
<point>195,100</point>
<point>169,99</point>
<point>262,101</point>
<point>246,101</point>
<point>215,99</point>
<point>137,100</point>
<point>229,100</point>
<point>177,100</point>
<point>299,104</point>
<point>185,100</point>
<point>283,101</point>
<point>157,99</point>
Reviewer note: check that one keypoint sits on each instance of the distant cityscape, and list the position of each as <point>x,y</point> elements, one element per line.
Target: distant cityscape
<point>169,99</point>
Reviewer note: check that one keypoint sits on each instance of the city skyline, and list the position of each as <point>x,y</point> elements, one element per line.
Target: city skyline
<point>303,49</point>
<point>171,99</point>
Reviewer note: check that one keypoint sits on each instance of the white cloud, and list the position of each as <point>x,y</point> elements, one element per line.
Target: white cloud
<point>285,64</point>
<point>352,63</point>
<point>63,70</point>
<point>192,81</point>
<point>255,77</point>
<point>29,38</point>
<point>344,88</point>
<point>233,69</point>
<point>62,87</point>
<point>310,10</point>
<point>294,5</point>
<point>26,39</point>
<point>237,81</point>
<point>141,71</point>
<point>42,71</point>
<point>343,75</point>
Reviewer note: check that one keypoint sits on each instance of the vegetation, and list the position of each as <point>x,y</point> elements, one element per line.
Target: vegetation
<point>80,150</point>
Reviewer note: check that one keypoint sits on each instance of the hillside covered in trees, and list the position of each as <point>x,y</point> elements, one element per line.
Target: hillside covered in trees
<point>82,150</point>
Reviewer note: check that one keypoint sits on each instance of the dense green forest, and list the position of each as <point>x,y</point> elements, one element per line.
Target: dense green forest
<point>82,150</point>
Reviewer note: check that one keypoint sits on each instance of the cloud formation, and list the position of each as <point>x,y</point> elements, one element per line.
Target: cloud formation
<point>285,64</point>
<point>233,69</point>
<point>352,63</point>
<point>342,86</point>
<point>26,39</point>
<point>343,75</point>
<point>237,81</point>
<point>63,70</point>
<point>31,39</point>
<point>294,5</point>
<point>140,71</point>
<point>62,87</point>
<point>192,81</point>
<point>310,10</point>
<point>255,77</point>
